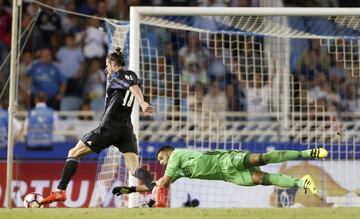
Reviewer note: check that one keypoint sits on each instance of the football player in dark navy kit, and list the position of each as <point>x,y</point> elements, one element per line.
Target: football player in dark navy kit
<point>115,128</point>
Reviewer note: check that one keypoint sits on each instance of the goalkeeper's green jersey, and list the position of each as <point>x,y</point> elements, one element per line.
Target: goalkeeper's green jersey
<point>199,165</point>
<point>192,164</point>
<point>213,165</point>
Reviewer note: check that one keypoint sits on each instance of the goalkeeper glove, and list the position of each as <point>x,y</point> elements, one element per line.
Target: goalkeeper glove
<point>121,190</point>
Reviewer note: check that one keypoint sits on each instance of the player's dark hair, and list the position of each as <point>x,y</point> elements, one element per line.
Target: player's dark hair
<point>165,148</point>
<point>117,57</point>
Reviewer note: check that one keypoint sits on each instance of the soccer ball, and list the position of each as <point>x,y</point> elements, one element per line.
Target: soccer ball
<point>33,200</point>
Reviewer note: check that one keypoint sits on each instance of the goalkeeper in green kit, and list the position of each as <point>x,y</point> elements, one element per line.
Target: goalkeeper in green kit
<point>234,166</point>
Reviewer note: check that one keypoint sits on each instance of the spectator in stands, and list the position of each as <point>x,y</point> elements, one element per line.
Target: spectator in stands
<point>40,124</point>
<point>352,101</point>
<point>94,89</point>
<point>101,9</point>
<point>315,92</point>
<point>121,10</point>
<point>4,120</point>
<point>235,96</point>
<point>26,23</point>
<point>31,8</point>
<point>217,68</point>
<point>322,90</point>
<point>76,28</point>
<point>48,23</point>
<point>155,38</point>
<point>162,101</point>
<point>181,104</point>
<point>88,7</point>
<point>215,102</point>
<point>337,68</point>
<point>24,82</point>
<point>71,60</point>
<point>257,97</point>
<point>85,107</point>
<point>94,40</point>
<point>195,99</point>
<point>46,76</point>
<point>5,34</point>
<point>311,60</point>
<point>5,25</point>
<point>333,99</point>
<point>193,61</point>
<point>71,23</point>
<point>353,73</point>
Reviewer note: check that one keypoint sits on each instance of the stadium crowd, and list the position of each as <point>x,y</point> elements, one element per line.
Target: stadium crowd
<point>64,58</point>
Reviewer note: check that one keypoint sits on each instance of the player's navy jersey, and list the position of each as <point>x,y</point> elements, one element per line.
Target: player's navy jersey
<point>119,99</point>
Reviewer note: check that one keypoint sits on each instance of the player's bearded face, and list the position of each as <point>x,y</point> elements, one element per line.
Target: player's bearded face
<point>110,65</point>
<point>163,157</point>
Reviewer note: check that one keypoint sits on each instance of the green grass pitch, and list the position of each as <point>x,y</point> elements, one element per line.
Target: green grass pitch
<point>184,213</point>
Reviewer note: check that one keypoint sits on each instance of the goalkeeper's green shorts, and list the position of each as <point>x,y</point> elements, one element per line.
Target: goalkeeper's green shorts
<point>233,169</point>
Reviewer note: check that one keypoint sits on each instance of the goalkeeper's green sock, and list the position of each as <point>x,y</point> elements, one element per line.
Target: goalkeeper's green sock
<point>280,156</point>
<point>279,179</point>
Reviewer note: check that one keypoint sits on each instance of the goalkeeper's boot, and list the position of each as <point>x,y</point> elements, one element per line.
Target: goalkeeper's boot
<point>317,153</point>
<point>309,185</point>
<point>57,196</point>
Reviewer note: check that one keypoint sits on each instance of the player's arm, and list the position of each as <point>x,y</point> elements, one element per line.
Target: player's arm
<point>146,108</point>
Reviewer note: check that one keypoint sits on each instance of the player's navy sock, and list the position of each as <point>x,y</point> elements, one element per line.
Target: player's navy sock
<point>279,179</point>
<point>145,176</point>
<point>68,171</point>
<point>279,156</point>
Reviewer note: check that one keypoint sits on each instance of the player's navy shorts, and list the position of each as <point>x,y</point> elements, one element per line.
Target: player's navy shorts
<point>102,137</point>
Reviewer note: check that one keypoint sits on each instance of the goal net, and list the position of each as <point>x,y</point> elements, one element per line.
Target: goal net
<point>252,83</point>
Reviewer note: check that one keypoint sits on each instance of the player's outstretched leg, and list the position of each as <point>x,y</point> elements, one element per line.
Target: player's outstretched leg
<point>69,170</point>
<point>286,155</point>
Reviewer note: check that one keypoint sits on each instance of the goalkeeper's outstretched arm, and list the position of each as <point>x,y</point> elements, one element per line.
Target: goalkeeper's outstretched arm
<point>164,181</point>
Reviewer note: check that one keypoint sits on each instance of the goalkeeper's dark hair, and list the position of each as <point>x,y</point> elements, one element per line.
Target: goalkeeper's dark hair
<point>165,148</point>
<point>117,57</point>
